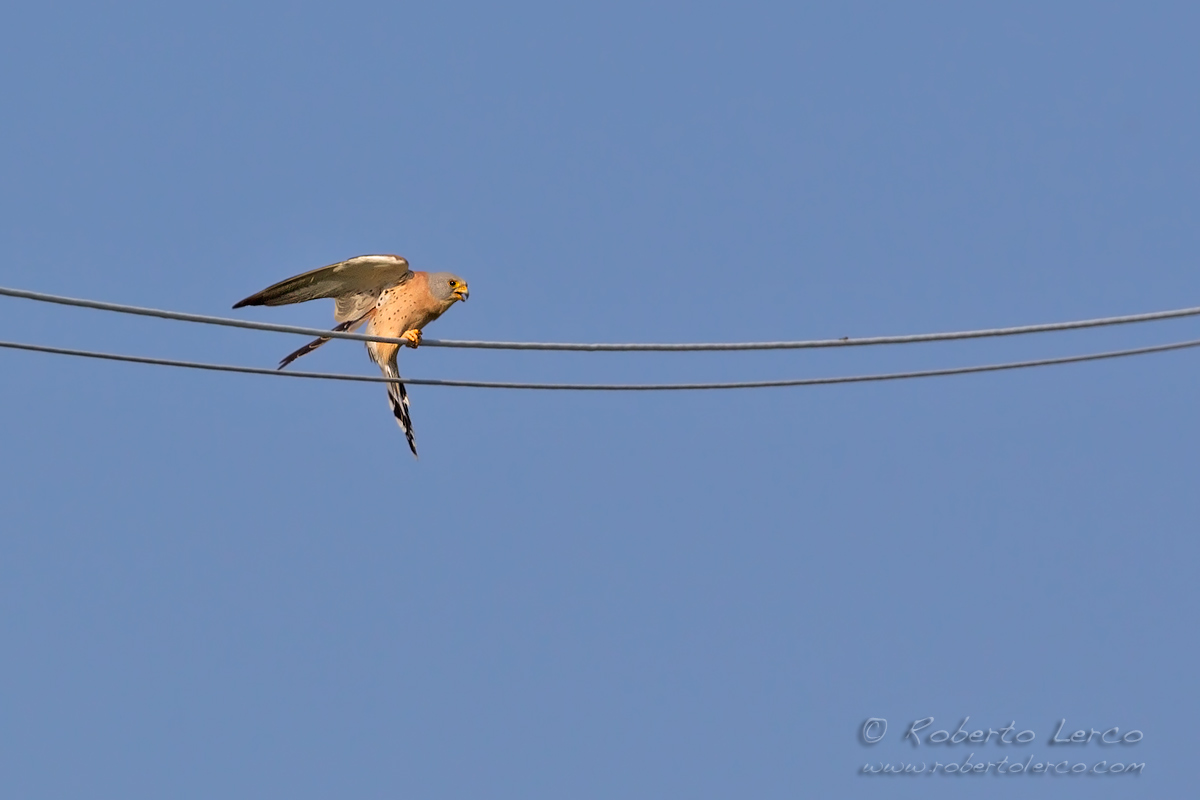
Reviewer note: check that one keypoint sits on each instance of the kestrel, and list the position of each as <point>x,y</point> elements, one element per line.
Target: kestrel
<point>382,292</point>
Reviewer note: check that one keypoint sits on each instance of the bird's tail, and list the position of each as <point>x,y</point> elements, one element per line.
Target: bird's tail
<point>398,400</point>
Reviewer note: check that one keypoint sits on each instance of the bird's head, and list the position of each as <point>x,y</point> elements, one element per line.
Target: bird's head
<point>448,287</point>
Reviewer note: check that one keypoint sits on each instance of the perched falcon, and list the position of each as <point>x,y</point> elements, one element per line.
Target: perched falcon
<point>382,292</point>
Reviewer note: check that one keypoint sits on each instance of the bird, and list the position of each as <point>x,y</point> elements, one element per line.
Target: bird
<point>385,294</point>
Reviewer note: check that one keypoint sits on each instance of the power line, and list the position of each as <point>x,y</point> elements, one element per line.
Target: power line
<point>121,308</point>
<point>333,376</point>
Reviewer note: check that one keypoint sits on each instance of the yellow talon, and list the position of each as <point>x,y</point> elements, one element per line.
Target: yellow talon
<point>413,337</point>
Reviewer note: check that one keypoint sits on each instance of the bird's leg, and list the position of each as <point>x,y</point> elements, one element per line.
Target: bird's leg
<point>413,337</point>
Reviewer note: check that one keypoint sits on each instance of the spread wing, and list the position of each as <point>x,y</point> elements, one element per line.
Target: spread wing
<point>355,283</point>
<point>347,325</point>
<point>353,307</point>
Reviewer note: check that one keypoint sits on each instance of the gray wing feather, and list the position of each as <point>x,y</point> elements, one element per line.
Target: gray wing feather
<point>354,306</point>
<point>356,284</point>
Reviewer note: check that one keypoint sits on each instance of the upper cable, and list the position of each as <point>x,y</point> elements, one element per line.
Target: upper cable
<point>802,344</point>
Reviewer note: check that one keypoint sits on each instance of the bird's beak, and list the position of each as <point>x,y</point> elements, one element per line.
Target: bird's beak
<point>461,293</point>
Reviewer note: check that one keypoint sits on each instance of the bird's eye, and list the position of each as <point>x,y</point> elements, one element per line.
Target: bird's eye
<point>451,283</point>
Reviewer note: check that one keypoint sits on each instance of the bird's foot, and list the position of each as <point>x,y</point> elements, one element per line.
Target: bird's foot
<point>413,338</point>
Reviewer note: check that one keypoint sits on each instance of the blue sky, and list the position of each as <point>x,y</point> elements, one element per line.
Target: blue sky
<point>219,585</point>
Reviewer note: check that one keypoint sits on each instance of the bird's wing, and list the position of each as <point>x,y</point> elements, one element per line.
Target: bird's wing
<point>351,307</point>
<point>348,325</point>
<point>355,282</point>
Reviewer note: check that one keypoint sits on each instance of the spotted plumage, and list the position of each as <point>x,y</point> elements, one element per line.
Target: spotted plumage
<point>381,292</point>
